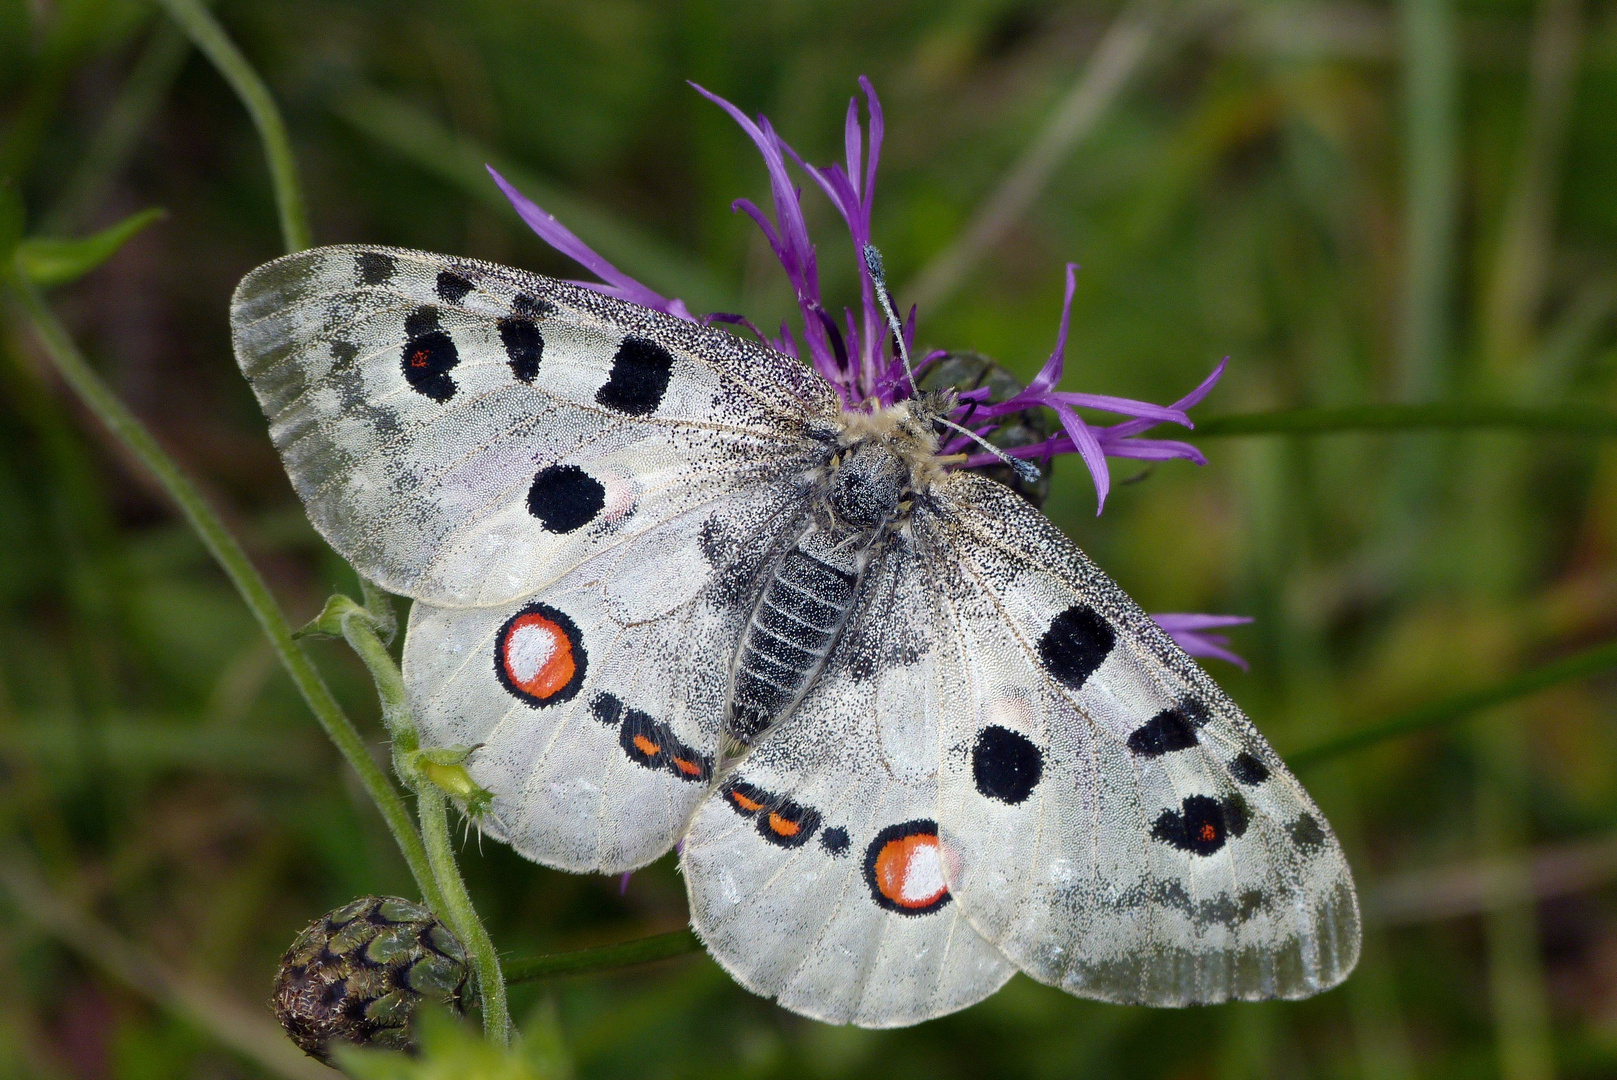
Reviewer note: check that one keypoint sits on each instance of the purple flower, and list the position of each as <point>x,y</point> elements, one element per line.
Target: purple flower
<point>1188,632</point>
<point>852,352</point>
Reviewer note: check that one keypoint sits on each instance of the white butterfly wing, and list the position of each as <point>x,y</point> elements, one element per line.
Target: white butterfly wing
<point>1113,823</point>
<point>465,433</point>
<point>815,874</point>
<point>595,730</point>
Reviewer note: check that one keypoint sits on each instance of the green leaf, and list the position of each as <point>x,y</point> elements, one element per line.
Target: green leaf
<point>448,1049</point>
<point>47,262</point>
<point>1457,707</point>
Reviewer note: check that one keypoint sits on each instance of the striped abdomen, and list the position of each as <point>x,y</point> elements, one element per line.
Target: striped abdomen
<point>802,611</point>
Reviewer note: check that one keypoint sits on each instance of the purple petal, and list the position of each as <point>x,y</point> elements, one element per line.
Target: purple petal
<point>623,882</point>
<point>1162,414</point>
<point>1050,374</point>
<point>1174,622</point>
<point>1152,450</point>
<point>878,128</point>
<point>562,239</point>
<point>1089,450</point>
<point>1187,632</point>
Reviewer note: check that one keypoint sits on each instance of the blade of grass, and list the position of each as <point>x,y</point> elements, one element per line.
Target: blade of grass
<point>1572,419</point>
<point>1114,61</point>
<point>128,118</point>
<point>603,957</point>
<point>1450,709</point>
<point>209,37</point>
<point>75,370</point>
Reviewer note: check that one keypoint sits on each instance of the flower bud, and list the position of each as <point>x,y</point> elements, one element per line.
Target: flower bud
<point>357,974</point>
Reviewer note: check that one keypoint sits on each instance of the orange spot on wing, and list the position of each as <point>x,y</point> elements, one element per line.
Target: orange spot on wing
<point>783,827</point>
<point>893,867</point>
<point>689,768</point>
<point>751,806</point>
<point>646,746</point>
<point>559,664</point>
<point>418,358</point>
<point>1208,833</point>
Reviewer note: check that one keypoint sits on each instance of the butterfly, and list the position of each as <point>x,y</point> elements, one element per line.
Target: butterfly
<point>908,738</point>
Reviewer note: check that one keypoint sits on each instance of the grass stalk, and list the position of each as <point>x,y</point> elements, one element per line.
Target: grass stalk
<point>209,37</point>
<point>449,899</point>
<point>1459,706</point>
<point>604,957</point>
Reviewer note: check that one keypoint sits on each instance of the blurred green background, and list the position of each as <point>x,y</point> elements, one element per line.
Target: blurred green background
<point>1356,202</point>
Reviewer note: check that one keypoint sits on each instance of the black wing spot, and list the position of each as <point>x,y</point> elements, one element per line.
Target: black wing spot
<point>648,743</point>
<point>374,268</point>
<point>1165,732</point>
<point>1237,815</point>
<point>565,498</point>
<point>1199,826</point>
<point>423,320</point>
<point>428,356</point>
<point>1307,834</point>
<point>1248,769</point>
<point>529,308</point>
<point>1006,765</point>
<point>607,708</point>
<point>639,378</point>
<point>524,347</point>
<point>452,287</point>
<point>1077,642</point>
<point>835,841</point>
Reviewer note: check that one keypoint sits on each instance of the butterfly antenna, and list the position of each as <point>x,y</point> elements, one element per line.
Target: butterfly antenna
<point>878,277</point>
<point>1028,471</point>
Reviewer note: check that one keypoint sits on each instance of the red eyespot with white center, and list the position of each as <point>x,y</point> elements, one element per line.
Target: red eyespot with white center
<point>539,656</point>
<point>904,869</point>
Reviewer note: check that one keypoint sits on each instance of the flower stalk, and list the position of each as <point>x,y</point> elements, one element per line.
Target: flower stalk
<point>362,627</point>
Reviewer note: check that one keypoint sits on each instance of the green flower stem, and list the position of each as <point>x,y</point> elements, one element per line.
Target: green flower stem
<point>461,916</point>
<point>1447,710</point>
<point>604,957</point>
<point>95,394</point>
<point>449,901</point>
<point>208,36</point>
<point>1570,419</point>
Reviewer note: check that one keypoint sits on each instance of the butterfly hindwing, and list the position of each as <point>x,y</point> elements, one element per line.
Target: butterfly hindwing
<point>465,433</point>
<point>1114,824</point>
<point>595,724</point>
<point>815,873</point>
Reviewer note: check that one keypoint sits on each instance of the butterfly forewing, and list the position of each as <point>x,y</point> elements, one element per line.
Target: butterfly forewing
<point>1114,824</point>
<point>465,433</point>
<point>815,875</point>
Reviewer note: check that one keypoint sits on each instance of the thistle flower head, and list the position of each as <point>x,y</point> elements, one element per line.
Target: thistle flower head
<point>852,352</point>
